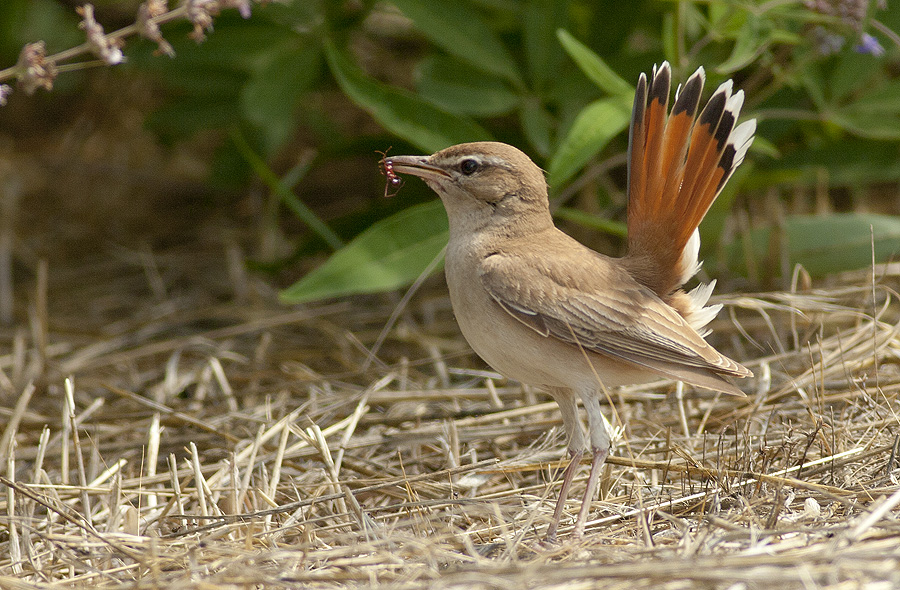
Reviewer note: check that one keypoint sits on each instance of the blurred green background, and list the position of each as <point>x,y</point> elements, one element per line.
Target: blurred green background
<point>293,105</point>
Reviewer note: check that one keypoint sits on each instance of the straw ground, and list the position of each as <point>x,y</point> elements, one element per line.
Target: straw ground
<point>168,424</point>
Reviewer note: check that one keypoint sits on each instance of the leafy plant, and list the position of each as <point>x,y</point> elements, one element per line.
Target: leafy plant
<point>554,78</point>
<point>819,244</point>
<point>389,255</point>
<point>775,50</point>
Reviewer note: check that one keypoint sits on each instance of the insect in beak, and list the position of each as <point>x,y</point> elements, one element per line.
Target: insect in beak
<point>387,168</point>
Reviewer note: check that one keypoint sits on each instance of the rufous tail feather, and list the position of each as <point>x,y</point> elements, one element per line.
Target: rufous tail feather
<point>678,163</point>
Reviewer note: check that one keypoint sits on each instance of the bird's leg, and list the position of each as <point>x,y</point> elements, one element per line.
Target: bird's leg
<point>568,476</point>
<point>600,443</point>
<point>575,433</point>
<point>591,490</point>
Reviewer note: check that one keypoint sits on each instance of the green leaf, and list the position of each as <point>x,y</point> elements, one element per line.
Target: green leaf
<point>456,87</point>
<point>881,99</point>
<point>814,82</point>
<point>391,254</point>
<point>784,37</point>
<point>271,96</point>
<point>825,245</point>
<point>275,184</point>
<point>537,124</point>
<point>540,19</point>
<point>592,129</point>
<point>869,124</point>
<point>401,112</point>
<point>749,44</point>
<point>460,30</point>
<point>763,147</point>
<point>593,66</point>
<point>719,11</point>
<point>852,72</point>
<point>875,115</point>
<point>846,161</point>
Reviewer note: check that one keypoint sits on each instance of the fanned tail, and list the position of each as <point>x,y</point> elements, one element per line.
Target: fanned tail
<point>678,163</point>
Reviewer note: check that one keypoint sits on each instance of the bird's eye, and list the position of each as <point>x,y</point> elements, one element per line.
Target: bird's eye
<point>468,166</point>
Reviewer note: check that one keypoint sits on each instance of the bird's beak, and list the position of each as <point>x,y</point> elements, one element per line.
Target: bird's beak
<point>417,166</point>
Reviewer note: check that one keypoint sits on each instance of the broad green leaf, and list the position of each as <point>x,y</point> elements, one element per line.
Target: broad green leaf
<point>401,112</point>
<point>882,99</point>
<point>540,19</point>
<point>868,124</point>
<point>456,87</point>
<point>749,43</point>
<point>537,124</point>
<point>825,244</point>
<point>459,29</point>
<point>592,129</point>
<point>271,96</point>
<point>718,12</point>
<point>852,72</point>
<point>593,66</point>
<point>875,115</point>
<point>814,82</point>
<point>847,161</point>
<point>784,37</point>
<point>391,254</point>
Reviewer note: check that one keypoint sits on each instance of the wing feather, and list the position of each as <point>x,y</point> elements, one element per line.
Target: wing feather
<point>624,320</point>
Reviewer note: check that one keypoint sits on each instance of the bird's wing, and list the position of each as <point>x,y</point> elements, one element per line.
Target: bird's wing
<point>583,299</point>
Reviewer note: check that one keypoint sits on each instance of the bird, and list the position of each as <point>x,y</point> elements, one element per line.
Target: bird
<point>543,309</point>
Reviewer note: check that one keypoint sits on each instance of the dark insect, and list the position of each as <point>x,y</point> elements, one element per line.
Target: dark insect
<point>387,168</point>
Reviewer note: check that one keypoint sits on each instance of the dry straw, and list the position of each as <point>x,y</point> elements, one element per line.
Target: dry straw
<point>187,443</point>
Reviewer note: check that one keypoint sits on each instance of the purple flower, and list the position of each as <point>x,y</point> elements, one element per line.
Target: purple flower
<point>869,44</point>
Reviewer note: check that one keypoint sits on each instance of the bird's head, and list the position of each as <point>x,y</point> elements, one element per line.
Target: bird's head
<point>483,179</point>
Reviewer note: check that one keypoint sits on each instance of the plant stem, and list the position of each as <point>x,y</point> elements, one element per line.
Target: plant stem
<point>268,176</point>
